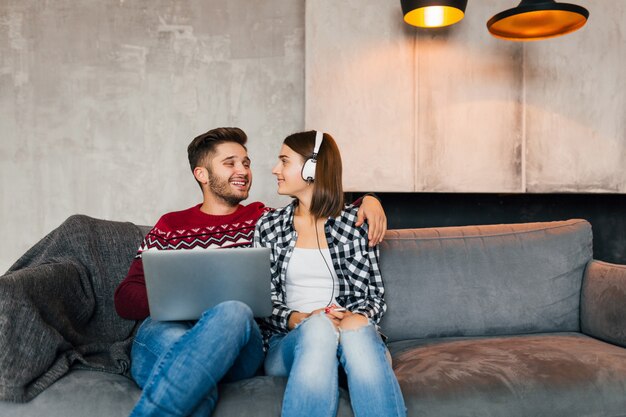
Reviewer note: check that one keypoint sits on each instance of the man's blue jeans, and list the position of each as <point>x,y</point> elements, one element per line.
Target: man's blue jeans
<point>310,355</point>
<point>178,364</point>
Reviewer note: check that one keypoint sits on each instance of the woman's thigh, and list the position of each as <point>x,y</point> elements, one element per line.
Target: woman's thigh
<point>362,346</point>
<point>314,340</point>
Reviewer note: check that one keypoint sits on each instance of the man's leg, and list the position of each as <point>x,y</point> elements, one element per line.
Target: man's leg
<point>184,380</point>
<point>152,340</point>
<point>250,358</point>
<point>308,354</point>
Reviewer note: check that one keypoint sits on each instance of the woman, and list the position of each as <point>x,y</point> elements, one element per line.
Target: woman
<point>327,290</point>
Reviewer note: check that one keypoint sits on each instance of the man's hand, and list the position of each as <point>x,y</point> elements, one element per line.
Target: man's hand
<point>372,211</point>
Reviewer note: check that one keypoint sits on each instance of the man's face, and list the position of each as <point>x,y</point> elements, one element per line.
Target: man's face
<point>230,177</point>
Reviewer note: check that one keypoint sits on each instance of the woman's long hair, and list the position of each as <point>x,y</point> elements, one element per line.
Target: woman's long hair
<point>327,187</point>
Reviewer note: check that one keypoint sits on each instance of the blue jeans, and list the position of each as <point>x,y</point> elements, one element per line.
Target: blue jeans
<point>310,355</point>
<point>178,364</point>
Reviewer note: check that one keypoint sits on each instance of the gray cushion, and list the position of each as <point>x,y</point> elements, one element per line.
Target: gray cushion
<point>565,374</point>
<point>98,394</point>
<point>80,394</point>
<point>262,396</point>
<point>484,280</point>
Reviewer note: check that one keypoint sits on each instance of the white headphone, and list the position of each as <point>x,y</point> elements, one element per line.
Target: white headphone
<point>308,169</point>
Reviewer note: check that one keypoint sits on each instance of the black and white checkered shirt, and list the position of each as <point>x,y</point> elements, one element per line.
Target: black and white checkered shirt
<point>361,287</point>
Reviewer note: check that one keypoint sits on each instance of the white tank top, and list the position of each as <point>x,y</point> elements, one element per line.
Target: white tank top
<point>309,283</point>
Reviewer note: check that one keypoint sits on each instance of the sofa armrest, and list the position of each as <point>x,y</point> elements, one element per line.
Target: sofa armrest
<point>603,302</point>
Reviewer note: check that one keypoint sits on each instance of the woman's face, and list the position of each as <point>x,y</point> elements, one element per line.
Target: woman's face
<point>288,171</point>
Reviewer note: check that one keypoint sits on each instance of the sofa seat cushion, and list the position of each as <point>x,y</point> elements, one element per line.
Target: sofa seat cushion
<point>80,393</point>
<point>84,393</point>
<point>262,396</point>
<point>555,374</point>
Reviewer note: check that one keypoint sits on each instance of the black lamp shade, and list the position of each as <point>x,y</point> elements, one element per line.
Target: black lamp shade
<point>433,13</point>
<point>537,19</point>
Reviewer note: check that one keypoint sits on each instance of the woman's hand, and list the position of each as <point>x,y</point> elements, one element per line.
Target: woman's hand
<point>372,211</point>
<point>295,318</point>
<point>335,316</point>
<point>345,319</point>
<point>353,321</point>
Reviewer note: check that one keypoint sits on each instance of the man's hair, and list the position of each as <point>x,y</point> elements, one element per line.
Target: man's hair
<point>202,147</point>
<point>328,189</point>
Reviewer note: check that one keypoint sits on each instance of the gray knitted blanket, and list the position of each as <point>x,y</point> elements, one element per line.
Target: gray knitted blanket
<point>56,306</point>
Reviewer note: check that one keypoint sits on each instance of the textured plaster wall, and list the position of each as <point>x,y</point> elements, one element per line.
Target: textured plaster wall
<point>99,99</point>
<point>456,110</point>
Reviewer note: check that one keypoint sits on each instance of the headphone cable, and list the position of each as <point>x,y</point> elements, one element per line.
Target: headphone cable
<point>332,277</point>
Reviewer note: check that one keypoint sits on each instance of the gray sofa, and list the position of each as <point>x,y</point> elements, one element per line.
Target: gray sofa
<point>501,320</point>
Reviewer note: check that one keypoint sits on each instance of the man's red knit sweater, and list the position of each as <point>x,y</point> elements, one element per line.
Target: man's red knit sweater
<point>186,229</point>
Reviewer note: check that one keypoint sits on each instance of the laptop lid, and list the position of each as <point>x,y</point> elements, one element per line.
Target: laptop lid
<point>182,284</point>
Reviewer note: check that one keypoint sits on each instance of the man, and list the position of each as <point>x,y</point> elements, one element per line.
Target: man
<point>178,364</point>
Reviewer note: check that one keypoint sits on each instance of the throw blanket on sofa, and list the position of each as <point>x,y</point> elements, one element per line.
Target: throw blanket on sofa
<point>56,306</point>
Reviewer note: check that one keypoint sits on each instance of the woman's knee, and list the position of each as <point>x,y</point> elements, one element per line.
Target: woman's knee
<point>363,352</point>
<point>318,330</point>
<point>353,322</point>
<point>311,347</point>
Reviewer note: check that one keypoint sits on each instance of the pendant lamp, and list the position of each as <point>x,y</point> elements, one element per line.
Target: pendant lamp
<point>537,19</point>
<point>433,13</point>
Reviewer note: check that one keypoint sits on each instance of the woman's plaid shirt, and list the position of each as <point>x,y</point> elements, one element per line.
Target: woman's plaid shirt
<point>361,287</point>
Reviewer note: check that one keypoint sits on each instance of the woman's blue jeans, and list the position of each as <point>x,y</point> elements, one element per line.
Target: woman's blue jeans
<point>310,355</point>
<point>178,364</point>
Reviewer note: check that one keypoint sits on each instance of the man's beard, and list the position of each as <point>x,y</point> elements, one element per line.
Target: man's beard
<point>221,189</point>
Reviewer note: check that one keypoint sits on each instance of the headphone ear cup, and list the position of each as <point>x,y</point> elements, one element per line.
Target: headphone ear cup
<point>308,170</point>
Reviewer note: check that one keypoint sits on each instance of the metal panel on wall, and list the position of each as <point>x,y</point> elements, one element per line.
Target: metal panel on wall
<point>470,109</point>
<point>360,89</point>
<point>576,106</point>
<point>487,115</point>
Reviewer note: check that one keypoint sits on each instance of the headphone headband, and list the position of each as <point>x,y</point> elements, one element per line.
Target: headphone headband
<point>308,169</point>
<point>319,137</point>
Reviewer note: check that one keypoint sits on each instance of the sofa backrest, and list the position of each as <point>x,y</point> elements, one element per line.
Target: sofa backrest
<point>484,280</point>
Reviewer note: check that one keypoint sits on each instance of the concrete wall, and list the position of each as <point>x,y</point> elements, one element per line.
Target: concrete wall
<point>99,99</point>
<point>456,110</point>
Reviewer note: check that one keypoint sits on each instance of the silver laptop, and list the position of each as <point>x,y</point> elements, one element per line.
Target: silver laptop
<point>182,284</point>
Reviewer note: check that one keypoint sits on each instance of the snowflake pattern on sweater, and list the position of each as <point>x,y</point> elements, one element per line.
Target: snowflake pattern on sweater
<point>189,229</point>
<point>223,236</point>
